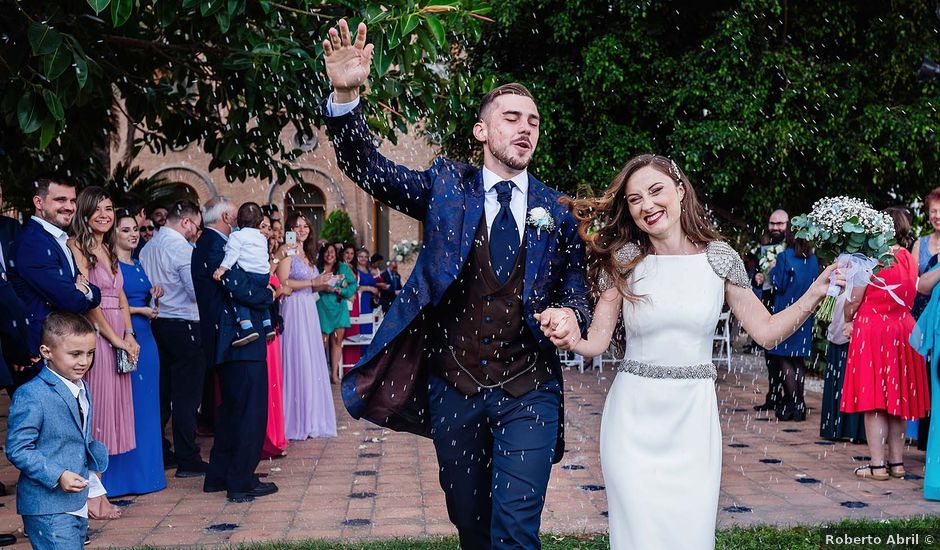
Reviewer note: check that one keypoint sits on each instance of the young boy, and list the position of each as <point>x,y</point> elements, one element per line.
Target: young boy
<point>49,437</point>
<point>249,248</point>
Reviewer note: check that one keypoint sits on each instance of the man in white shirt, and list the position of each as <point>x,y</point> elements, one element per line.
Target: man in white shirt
<point>167,259</point>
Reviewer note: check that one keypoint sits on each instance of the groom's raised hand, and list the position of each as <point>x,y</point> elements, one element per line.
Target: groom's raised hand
<point>347,62</point>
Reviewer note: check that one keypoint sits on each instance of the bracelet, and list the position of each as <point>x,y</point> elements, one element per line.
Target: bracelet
<point>130,331</point>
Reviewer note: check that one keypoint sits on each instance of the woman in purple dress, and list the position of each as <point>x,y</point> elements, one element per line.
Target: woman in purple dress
<point>308,397</point>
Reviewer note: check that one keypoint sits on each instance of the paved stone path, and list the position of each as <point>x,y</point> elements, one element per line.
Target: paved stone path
<point>373,483</point>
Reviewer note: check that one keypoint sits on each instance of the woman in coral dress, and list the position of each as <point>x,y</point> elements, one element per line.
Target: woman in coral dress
<point>885,377</point>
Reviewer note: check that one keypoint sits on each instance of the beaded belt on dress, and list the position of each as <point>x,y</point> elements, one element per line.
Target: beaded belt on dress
<point>705,370</point>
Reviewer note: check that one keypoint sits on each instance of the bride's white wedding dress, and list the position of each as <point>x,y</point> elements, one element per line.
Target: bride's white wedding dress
<point>660,433</point>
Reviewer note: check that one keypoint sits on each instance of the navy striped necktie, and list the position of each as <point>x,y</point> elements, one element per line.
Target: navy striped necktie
<point>504,234</point>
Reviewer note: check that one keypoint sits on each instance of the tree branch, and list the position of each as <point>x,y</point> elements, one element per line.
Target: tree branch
<point>162,46</point>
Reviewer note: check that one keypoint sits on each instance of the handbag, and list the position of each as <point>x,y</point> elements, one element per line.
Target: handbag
<point>124,364</point>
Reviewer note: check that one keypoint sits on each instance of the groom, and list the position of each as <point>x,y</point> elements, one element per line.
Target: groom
<point>460,356</point>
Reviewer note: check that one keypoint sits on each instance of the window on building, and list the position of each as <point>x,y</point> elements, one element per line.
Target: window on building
<point>306,197</point>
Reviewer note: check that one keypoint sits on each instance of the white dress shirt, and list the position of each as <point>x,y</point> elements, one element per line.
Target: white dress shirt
<point>520,193</point>
<point>79,392</point>
<point>167,260</point>
<point>249,248</point>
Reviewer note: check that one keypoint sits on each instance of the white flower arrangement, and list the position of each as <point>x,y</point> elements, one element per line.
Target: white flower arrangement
<point>404,249</point>
<point>844,227</point>
<point>767,259</point>
<point>541,220</point>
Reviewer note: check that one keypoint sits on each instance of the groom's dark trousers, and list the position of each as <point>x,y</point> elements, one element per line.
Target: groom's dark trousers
<point>493,443</point>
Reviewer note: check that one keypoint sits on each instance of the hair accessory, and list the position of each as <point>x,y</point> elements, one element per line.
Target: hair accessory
<point>674,168</point>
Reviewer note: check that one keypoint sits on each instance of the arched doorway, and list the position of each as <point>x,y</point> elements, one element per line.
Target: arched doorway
<point>176,183</point>
<point>308,198</point>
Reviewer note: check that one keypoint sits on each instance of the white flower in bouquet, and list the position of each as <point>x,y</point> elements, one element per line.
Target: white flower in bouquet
<point>846,227</point>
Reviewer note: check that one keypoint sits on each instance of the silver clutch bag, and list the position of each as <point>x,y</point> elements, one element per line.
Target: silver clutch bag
<point>124,364</point>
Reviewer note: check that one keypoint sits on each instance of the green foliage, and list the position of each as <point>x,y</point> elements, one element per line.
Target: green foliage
<point>764,103</point>
<point>338,228</point>
<point>228,74</point>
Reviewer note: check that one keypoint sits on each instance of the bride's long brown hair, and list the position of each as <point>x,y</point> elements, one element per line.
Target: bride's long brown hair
<point>606,224</point>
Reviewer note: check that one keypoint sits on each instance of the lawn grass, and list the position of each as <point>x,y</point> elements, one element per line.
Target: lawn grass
<point>735,538</point>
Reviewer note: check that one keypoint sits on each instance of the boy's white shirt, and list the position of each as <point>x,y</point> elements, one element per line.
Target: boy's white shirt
<point>249,248</point>
<point>95,488</point>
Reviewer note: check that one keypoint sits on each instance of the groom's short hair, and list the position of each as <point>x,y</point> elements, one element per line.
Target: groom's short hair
<point>513,88</point>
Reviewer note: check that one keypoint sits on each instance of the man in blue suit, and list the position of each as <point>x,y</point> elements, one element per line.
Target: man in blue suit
<point>461,356</point>
<point>41,267</point>
<point>14,338</point>
<point>219,216</point>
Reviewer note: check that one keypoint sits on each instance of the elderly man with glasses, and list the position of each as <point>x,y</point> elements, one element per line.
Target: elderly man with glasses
<point>167,259</point>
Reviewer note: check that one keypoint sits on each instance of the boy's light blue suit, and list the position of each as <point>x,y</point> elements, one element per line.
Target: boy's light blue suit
<point>44,439</point>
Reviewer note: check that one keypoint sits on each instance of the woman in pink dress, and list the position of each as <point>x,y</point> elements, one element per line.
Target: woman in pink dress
<point>275,440</point>
<point>95,255</point>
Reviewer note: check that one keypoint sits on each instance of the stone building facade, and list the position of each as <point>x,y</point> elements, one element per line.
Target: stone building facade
<point>324,189</point>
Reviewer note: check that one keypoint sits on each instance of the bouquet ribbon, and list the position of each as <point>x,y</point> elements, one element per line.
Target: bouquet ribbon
<point>859,271</point>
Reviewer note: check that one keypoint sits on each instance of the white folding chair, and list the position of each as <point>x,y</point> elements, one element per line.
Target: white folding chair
<point>608,358</point>
<point>721,341</point>
<point>571,359</point>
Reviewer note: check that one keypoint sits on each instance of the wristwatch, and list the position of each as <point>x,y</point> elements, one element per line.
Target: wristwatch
<point>131,332</point>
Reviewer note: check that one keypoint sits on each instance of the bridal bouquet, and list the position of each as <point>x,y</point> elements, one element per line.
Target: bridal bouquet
<point>851,232</point>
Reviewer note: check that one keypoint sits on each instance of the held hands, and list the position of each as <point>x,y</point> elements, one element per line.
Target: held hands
<point>72,482</point>
<point>560,325</point>
<point>156,291</point>
<point>217,274</point>
<point>847,330</point>
<point>347,62</point>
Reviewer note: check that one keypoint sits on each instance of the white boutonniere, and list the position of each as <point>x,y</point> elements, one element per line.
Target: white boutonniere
<point>540,219</point>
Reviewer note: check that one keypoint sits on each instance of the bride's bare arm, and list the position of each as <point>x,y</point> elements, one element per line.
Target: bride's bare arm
<point>604,322</point>
<point>769,330</point>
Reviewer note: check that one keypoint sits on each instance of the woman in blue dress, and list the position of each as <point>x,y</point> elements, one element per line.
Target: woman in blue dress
<point>368,291</point>
<point>925,249</point>
<point>139,471</point>
<point>791,276</point>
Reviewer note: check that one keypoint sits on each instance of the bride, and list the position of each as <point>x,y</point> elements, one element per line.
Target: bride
<point>658,259</point>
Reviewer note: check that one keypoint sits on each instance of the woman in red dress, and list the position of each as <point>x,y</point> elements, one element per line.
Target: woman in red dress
<point>884,376</point>
<point>275,440</point>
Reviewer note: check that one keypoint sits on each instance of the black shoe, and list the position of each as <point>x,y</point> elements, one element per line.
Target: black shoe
<point>767,406</point>
<point>7,539</point>
<point>194,470</point>
<point>261,489</point>
<point>87,541</point>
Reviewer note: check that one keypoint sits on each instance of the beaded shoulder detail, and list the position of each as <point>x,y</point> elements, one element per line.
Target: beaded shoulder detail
<point>727,263</point>
<point>625,255</point>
